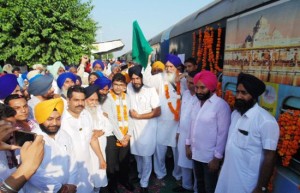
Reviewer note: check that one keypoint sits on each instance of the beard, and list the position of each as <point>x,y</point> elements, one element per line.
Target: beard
<point>203,97</point>
<point>64,92</point>
<point>48,131</point>
<point>93,111</point>
<point>243,106</point>
<point>102,98</point>
<point>137,88</point>
<point>170,77</point>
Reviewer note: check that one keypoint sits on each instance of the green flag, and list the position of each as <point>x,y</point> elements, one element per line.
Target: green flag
<point>140,47</point>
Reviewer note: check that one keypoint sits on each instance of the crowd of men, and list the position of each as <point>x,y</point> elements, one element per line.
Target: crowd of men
<point>90,122</point>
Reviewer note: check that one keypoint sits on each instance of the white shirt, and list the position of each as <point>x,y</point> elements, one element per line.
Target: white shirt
<point>167,126</point>
<point>80,131</point>
<point>248,136</point>
<point>58,166</point>
<point>143,140</point>
<point>100,123</point>
<point>209,131</point>
<point>187,104</point>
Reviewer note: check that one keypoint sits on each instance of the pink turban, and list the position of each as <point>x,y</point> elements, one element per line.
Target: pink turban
<point>208,78</point>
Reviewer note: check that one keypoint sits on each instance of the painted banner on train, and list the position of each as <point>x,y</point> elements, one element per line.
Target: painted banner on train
<point>265,43</point>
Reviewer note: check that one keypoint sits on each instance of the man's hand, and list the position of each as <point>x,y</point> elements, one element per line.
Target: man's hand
<point>102,164</point>
<point>188,151</point>
<point>125,140</point>
<point>98,133</point>
<point>6,128</point>
<point>133,114</point>
<point>32,154</point>
<point>68,188</point>
<point>214,164</point>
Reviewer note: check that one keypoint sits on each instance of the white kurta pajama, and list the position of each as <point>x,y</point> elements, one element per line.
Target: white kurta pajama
<point>244,152</point>
<point>167,126</point>
<point>143,140</point>
<point>80,131</point>
<point>100,178</point>
<point>58,166</point>
<point>187,104</point>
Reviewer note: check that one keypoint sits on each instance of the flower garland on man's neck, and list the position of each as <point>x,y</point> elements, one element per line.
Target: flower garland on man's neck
<point>122,120</point>
<point>178,103</point>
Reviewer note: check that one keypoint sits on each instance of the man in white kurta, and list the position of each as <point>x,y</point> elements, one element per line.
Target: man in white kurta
<point>169,95</point>
<point>58,169</point>
<point>145,107</point>
<point>102,126</point>
<point>77,122</point>
<point>189,100</point>
<point>252,142</point>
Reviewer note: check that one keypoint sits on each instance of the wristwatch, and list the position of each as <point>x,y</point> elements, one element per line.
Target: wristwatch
<point>263,189</point>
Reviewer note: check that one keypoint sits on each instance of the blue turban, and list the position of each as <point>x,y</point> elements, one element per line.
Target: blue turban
<point>103,82</point>
<point>175,60</point>
<point>8,83</point>
<point>99,62</point>
<point>24,75</point>
<point>62,78</point>
<point>40,85</point>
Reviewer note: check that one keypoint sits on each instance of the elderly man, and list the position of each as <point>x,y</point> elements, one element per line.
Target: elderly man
<point>252,142</point>
<point>145,106</point>
<point>208,134</point>
<point>117,151</point>
<point>77,122</point>
<point>104,129</point>
<point>8,85</point>
<point>58,171</point>
<point>98,65</point>
<point>189,101</point>
<point>40,88</point>
<point>169,92</point>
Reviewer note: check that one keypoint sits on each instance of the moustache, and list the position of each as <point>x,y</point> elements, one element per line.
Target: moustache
<point>80,106</point>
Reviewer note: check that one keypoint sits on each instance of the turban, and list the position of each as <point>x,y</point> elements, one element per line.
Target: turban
<point>90,90</point>
<point>175,60</point>
<point>159,65</point>
<point>40,85</point>
<point>208,78</point>
<point>103,82</point>
<point>253,85</point>
<point>54,68</point>
<point>43,110</point>
<point>100,63</point>
<point>113,67</point>
<point>137,70</point>
<point>100,74</point>
<point>32,74</point>
<point>8,83</point>
<point>24,75</point>
<point>62,78</point>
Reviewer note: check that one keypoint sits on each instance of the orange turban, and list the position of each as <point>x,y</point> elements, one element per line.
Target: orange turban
<point>159,65</point>
<point>43,110</point>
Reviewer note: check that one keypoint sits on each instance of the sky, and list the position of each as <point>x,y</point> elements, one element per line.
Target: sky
<point>115,17</point>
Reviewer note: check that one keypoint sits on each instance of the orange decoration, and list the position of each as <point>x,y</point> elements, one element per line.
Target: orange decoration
<point>178,102</point>
<point>288,144</point>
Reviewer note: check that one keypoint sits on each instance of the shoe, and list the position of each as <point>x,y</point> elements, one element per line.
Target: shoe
<point>144,190</point>
<point>128,186</point>
<point>181,189</point>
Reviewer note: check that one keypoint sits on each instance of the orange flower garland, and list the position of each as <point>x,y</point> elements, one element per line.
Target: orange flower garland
<point>123,123</point>
<point>229,98</point>
<point>178,103</point>
<point>288,144</point>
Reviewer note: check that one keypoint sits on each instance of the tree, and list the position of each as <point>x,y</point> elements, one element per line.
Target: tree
<point>35,31</point>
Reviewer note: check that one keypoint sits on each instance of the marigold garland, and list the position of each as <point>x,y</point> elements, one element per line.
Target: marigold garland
<point>288,144</point>
<point>123,123</point>
<point>178,102</point>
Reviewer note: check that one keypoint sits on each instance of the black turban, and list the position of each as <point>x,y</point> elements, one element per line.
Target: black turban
<point>253,85</point>
<point>90,90</point>
<point>137,70</point>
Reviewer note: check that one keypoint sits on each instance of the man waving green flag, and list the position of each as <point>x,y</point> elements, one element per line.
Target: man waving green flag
<point>140,47</point>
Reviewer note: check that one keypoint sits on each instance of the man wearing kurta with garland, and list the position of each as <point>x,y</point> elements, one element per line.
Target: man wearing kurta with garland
<point>116,106</point>
<point>169,92</point>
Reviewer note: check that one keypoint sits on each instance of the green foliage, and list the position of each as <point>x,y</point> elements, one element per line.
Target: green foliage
<point>35,31</point>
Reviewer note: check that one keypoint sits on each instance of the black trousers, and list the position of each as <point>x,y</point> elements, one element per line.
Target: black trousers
<point>205,179</point>
<point>117,160</point>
